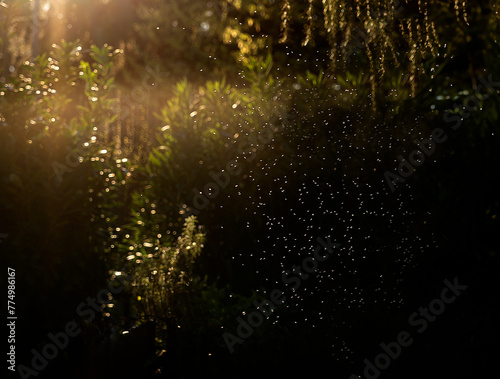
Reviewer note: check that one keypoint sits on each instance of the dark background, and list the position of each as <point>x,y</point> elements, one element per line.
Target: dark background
<point>322,175</point>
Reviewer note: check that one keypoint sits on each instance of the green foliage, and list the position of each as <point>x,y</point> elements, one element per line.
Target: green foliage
<point>162,274</point>
<point>59,175</point>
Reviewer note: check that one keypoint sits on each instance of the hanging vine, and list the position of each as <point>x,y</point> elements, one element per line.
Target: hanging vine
<point>380,28</point>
